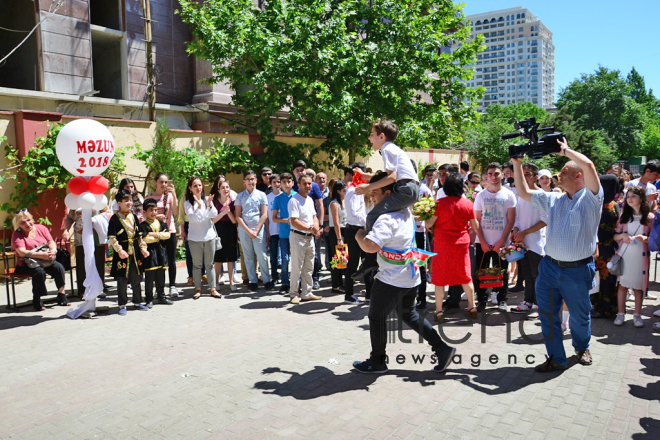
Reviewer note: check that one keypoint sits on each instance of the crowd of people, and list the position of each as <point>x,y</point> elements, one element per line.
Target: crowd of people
<point>285,227</point>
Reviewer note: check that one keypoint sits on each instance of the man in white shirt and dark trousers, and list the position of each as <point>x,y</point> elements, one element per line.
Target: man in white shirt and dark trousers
<point>356,219</point>
<point>530,230</point>
<point>400,172</point>
<point>304,227</point>
<point>395,286</point>
<point>495,210</point>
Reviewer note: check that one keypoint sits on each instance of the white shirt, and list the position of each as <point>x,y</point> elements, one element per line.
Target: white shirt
<point>526,217</point>
<point>273,228</point>
<point>200,221</point>
<point>341,213</point>
<point>494,208</point>
<point>396,160</point>
<point>303,209</point>
<point>356,209</point>
<point>395,230</point>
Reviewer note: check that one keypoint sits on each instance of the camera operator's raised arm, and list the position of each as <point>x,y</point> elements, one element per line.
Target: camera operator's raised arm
<point>521,184</point>
<point>589,174</point>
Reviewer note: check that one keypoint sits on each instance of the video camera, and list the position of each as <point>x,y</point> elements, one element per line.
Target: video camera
<point>536,148</point>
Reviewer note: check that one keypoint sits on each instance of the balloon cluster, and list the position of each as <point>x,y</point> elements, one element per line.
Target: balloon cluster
<point>87,192</point>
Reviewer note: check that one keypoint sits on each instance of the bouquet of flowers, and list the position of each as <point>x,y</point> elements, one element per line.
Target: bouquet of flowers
<point>513,252</point>
<point>424,208</point>
<point>490,272</point>
<point>471,194</point>
<point>340,260</point>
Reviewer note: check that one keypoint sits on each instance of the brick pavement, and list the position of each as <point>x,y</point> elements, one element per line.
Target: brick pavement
<point>254,366</point>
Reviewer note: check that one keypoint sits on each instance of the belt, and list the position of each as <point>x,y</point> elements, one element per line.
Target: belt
<point>571,263</point>
<point>306,234</point>
<point>404,181</point>
<point>354,227</point>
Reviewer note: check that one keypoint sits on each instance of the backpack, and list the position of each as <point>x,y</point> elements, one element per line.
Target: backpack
<point>654,237</point>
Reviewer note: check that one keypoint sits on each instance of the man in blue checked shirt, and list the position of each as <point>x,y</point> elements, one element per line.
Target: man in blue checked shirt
<point>567,270</point>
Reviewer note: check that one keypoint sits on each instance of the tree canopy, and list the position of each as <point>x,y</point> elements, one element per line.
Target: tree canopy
<point>336,66</point>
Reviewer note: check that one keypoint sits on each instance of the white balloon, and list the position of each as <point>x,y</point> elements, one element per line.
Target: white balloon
<point>71,201</point>
<point>85,147</point>
<point>101,202</point>
<point>86,200</point>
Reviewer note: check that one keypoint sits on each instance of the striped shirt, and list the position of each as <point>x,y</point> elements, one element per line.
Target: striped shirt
<point>572,223</point>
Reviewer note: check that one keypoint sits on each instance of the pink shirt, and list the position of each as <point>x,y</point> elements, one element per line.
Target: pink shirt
<point>169,219</point>
<point>19,239</point>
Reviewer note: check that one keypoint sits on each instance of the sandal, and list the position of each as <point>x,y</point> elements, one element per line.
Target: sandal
<point>438,316</point>
<point>197,294</point>
<point>215,294</point>
<point>62,300</point>
<point>472,312</point>
<point>548,366</point>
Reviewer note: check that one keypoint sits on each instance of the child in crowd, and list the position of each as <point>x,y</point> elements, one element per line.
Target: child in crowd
<point>155,233</point>
<point>632,233</point>
<point>128,246</point>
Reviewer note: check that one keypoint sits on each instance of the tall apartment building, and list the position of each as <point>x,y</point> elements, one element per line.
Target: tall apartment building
<point>518,64</point>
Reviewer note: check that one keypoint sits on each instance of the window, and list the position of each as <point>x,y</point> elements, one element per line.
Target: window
<point>520,29</point>
<point>21,70</point>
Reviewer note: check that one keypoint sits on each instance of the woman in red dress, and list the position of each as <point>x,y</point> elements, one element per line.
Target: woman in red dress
<point>451,265</point>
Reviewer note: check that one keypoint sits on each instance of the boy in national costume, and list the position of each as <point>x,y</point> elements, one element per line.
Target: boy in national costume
<point>129,249</point>
<point>155,233</point>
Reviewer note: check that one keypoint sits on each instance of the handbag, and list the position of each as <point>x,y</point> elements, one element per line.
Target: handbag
<point>64,258</point>
<point>616,265</point>
<point>33,263</point>
<point>217,243</point>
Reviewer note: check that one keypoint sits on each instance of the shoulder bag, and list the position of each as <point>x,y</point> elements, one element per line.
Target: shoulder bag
<point>617,265</point>
<point>33,263</point>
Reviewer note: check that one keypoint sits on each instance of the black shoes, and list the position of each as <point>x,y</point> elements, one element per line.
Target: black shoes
<point>164,300</point>
<point>444,359</point>
<point>253,287</point>
<point>269,285</point>
<point>369,367</point>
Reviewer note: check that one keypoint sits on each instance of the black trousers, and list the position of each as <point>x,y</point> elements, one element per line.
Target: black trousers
<point>122,282</point>
<point>170,247</point>
<point>354,255</point>
<point>494,258</point>
<point>38,275</point>
<point>385,299</point>
<point>151,277</point>
<point>403,196</point>
<point>420,241</point>
<point>81,273</point>
<point>335,274</point>
<point>528,269</point>
<point>454,292</point>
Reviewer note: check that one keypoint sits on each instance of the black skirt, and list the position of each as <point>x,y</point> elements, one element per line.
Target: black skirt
<point>228,233</point>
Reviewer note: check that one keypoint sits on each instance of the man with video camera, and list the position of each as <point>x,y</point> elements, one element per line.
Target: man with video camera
<point>567,270</point>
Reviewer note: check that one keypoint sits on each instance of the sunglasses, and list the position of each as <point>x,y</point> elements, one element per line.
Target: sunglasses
<point>474,182</point>
<point>20,210</point>
<point>266,174</point>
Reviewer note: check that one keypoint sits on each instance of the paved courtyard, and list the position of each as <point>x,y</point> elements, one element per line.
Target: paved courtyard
<point>254,366</point>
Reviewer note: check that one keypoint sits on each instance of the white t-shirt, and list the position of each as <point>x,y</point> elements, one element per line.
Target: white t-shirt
<point>526,217</point>
<point>395,230</point>
<point>303,209</point>
<point>273,228</point>
<point>396,160</point>
<point>494,207</point>
<point>649,188</point>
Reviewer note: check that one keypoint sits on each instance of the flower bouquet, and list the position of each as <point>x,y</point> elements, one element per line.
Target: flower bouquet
<point>490,277</point>
<point>424,208</point>
<point>340,260</point>
<point>471,194</point>
<point>513,252</point>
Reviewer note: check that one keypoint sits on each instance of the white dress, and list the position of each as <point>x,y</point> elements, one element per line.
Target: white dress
<point>633,260</point>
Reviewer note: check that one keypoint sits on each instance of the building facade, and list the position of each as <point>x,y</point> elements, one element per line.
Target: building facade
<point>518,64</point>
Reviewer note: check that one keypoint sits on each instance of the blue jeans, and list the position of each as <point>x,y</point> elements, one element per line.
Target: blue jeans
<point>570,284</point>
<point>253,246</point>
<point>274,256</point>
<point>285,251</point>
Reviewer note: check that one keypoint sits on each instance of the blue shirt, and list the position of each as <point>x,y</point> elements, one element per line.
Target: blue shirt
<point>281,204</point>
<point>251,206</point>
<point>572,230</point>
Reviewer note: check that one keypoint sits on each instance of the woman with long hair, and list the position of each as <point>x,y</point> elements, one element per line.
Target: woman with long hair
<point>226,228</point>
<point>632,233</point>
<point>337,223</point>
<point>168,205</point>
<point>127,184</point>
<point>201,234</point>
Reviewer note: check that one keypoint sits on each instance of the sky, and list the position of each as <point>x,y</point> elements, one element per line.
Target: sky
<point>588,33</point>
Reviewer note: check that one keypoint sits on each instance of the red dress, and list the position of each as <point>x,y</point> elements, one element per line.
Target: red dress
<point>451,265</point>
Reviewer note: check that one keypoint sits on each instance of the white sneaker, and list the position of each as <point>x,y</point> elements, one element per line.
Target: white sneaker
<point>650,296</point>
<point>142,285</point>
<point>463,296</point>
<point>657,313</point>
<point>129,289</point>
<point>631,296</point>
<point>503,306</point>
<point>620,318</point>
<point>233,287</point>
<point>173,292</point>
<point>493,297</point>
<point>237,279</point>
<point>221,281</point>
<point>637,321</point>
